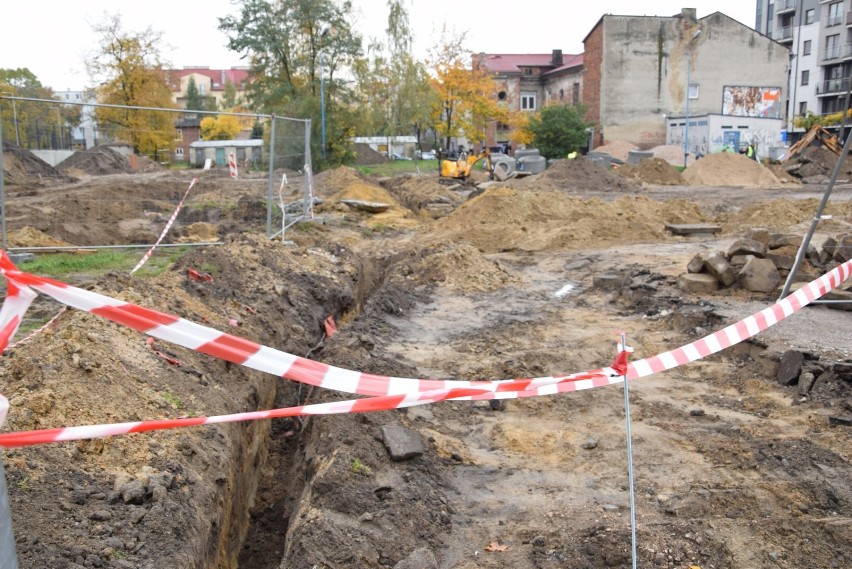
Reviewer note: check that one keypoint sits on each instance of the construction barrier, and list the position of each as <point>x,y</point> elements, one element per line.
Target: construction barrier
<point>384,393</point>
<point>232,164</point>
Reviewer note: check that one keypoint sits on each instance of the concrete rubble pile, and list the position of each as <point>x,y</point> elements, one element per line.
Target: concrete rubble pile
<point>759,262</point>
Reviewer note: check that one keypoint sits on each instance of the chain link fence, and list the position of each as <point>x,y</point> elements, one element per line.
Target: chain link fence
<point>77,174</point>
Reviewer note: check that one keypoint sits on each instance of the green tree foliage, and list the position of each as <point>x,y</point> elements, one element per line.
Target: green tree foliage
<point>33,124</point>
<point>464,104</point>
<point>229,95</point>
<point>225,127</point>
<point>393,86</point>
<point>129,70</point>
<point>558,130</point>
<point>284,42</point>
<point>194,101</point>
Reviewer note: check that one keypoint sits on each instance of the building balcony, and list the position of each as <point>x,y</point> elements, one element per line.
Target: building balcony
<point>782,6</point>
<point>830,53</point>
<point>836,20</point>
<point>782,35</point>
<point>833,86</point>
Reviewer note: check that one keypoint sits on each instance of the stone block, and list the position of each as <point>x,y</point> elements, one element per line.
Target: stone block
<point>739,260</point>
<point>790,367</point>
<point>402,443</point>
<point>697,283</point>
<point>759,234</point>
<point>785,240</point>
<point>608,282</point>
<point>718,266</point>
<point>843,251</point>
<point>781,262</point>
<point>747,247</point>
<point>829,246</point>
<point>759,275</point>
<point>696,265</point>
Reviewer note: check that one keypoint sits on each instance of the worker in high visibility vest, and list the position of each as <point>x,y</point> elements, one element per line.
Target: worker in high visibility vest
<point>750,152</point>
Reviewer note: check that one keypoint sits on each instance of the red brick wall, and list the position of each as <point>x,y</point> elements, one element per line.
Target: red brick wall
<point>591,92</point>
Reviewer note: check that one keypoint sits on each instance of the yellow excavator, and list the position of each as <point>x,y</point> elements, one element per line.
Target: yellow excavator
<point>459,168</point>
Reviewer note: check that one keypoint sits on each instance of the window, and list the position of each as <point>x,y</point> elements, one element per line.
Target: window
<point>501,95</point>
<point>693,90</point>
<point>832,46</point>
<point>178,134</point>
<point>561,94</point>
<point>179,151</point>
<point>575,97</point>
<point>806,47</point>
<point>803,108</point>
<point>806,76</point>
<point>835,15</point>
<point>809,16</point>
<point>527,101</point>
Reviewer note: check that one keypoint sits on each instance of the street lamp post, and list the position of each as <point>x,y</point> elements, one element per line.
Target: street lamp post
<point>686,124</point>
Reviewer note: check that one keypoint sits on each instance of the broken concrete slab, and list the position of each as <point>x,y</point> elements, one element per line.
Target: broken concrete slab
<point>747,247</point>
<point>693,228</point>
<point>696,265</point>
<point>781,262</point>
<point>402,443</point>
<point>790,367</point>
<point>843,251</point>
<point>759,234</point>
<point>779,241</point>
<point>759,275</point>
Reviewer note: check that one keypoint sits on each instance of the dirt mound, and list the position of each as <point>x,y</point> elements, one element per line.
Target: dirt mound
<point>366,155</point>
<point>461,267</point>
<point>199,232</point>
<point>652,171</point>
<point>345,183</point>
<point>619,149</point>
<point>816,164</point>
<point>20,163</point>
<point>581,174</point>
<point>504,219</point>
<point>98,161</point>
<point>785,214</point>
<point>671,154</point>
<point>31,237</point>
<point>424,195</point>
<point>143,164</point>
<point>729,169</point>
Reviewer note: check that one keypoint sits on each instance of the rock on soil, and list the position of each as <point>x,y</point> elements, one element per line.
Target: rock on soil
<point>729,169</point>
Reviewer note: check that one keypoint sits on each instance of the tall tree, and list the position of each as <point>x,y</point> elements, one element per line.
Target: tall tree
<point>194,101</point>
<point>33,124</point>
<point>129,69</point>
<point>464,92</point>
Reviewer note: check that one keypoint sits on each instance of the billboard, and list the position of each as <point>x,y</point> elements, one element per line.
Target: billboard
<point>744,101</point>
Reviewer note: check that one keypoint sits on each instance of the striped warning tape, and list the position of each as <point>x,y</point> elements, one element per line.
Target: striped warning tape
<point>171,221</point>
<point>386,392</point>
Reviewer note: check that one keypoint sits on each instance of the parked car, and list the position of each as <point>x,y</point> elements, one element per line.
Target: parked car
<point>399,157</point>
<point>427,155</point>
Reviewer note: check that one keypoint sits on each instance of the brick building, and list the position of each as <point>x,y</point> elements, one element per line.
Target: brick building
<point>526,82</point>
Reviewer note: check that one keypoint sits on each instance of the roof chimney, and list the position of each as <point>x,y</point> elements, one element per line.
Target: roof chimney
<point>557,57</point>
<point>688,14</point>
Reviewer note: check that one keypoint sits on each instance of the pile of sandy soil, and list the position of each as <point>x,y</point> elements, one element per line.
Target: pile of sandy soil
<point>29,236</point>
<point>581,174</point>
<point>618,149</point>
<point>729,169</point>
<point>786,214</point>
<point>145,164</point>
<point>423,195</point>
<point>672,154</point>
<point>505,219</point>
<point>366,155</point>
<point>20,163</point>
<point>652,171</point>
<point>345,183</point>
<point>98,161</point>
<point>817,162</point>
<point>199,232</point>
<point>461,267</point>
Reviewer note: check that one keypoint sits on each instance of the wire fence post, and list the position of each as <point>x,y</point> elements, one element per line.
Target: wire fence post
<point>629,459</point>
<point>2,186</point>
<point>307,204</point>
<point>8,557</point>
<point>271,179</point>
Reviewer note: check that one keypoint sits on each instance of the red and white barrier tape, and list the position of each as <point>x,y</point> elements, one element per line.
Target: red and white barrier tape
<point>171,221</point>
<point>387,392</point>
<point>41,329</point>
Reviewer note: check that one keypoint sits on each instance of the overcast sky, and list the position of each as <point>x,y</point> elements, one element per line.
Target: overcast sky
<point>53,41</point>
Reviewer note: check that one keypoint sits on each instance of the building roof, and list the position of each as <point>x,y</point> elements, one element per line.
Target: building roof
<point>227,143</point>
<point>512,62</point>
<point>236,75</point>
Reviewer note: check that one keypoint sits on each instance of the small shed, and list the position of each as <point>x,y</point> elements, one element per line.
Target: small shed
<point>217,150</point>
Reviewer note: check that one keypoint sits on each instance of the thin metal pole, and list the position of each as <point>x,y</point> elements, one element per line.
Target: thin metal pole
<point>629,459</point>
<point>686,124</point>
<point>322,100</point>
<point>2,181</point>
<point>800,255</point>
<point>309,171</point>
<point>271,180</point>
<point>8,557</point>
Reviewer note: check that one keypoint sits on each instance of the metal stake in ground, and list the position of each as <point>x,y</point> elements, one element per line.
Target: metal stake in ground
<point>8,558</point>
<point>629,459</point>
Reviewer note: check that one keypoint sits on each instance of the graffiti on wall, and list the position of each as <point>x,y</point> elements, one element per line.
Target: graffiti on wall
<point>742,101</point>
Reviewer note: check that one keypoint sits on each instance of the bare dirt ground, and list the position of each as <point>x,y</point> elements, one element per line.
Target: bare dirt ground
<point>733,470</point>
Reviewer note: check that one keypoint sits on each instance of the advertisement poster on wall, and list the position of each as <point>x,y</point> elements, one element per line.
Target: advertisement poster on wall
<point>745,101</point>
